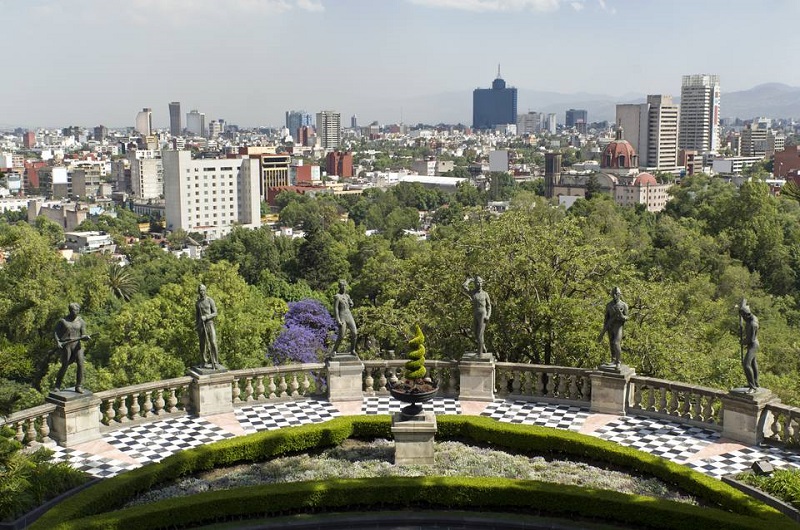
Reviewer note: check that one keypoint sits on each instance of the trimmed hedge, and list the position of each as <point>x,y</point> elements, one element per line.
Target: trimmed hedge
<point>93,507</point>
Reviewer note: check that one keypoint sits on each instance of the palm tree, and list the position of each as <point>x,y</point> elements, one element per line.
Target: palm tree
<point>121,282</point>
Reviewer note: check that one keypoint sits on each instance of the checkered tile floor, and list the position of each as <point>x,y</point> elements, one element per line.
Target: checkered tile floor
<point>92,464</point>
<point>544,414</point>
<point>389,405</point>
<point>292,413</point>
<point>739,461</point>
<point>666,439</point>
<point>152,442</point>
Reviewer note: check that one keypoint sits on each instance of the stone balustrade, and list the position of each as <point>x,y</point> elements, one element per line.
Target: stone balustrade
<point>31,425</point>
<point>278,383</point>
<point>781,423</point>
<point>542,382</point>
<point>73,419</point>
<point>380,374</point>
<point>140,402</point>
<point>689,403</point>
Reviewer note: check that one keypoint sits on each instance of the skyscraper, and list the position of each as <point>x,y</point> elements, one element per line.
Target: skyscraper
<point>196,123</point>
<point>144,122</point>
<point>175,118</point>
<point>296,119</point>
<point>699,122</point>
<point>329,125</point>
<point>494,106</point>
<point>652,130</point>
<point>574,116</point>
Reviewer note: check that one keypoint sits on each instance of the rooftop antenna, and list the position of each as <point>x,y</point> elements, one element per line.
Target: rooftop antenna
<point>498,70</point>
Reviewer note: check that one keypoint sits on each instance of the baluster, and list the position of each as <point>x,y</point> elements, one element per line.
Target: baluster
<point>708,409</point>
<point>294,385</point>
<point>172,400</point>
<point>122,411</point>
<point>695,408</point>
<point>135,408</point>
<point>651,398</point>
<point>30,433</point>
<point>550,388</point>
<point>147,404</point>
<point>539,384</point>
<point>573,386</point>
<point>662,400</point>
<point>637,396</point>
<point>794,432</point>
<point>107,406</point>
<point>369,381</point>
<point>392,376</point>
<point>160,403</point>
<point>786,431</point>
<point>260,388</point>
<point>305,385</point>
<point>44,430</point>
<point>20,434</point>
<point>672,407</point>
<point>272,387</point>
<point>382,381</point>
<point>775,426</point>
<point>282,386</point>
<point>248,389</point>
<point>186,398</point>
<point>686,405</point>
<point>526,388</point>
<point>236,391</point>
<point>516,383</point>
<point>586,390</point>
<point>562,385</point>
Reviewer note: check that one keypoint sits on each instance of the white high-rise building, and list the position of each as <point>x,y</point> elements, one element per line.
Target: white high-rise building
<point>144,122</point>
<point>329,129</point>
<point>652,129</point>
<point>210,196</point>
<point>147,173</point>
<point>196,123</point>
<point>699,122</point>
<point>530,123</point>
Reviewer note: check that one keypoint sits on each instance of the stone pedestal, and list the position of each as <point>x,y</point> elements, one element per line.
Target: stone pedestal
<point>741,413</point>
<point>413,438</point>
<point>345,378</point>
<point>476,374</point>
<point>76,418</point>
<point>610,389</point>
<point>211,391</point>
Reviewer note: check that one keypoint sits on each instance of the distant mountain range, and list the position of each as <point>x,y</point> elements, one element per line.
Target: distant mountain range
<point>772,100</point>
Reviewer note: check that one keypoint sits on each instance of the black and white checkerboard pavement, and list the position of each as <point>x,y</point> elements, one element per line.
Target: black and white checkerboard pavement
<point>94,465</point>
<point>152,442</point>
<point>278,415</point>
<point>666,439</point>
<point>533,413</point>
<point>738,461</point>
<point>389,405</point>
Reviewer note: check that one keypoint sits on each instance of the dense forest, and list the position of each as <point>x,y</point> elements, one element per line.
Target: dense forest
<point>548,271</point>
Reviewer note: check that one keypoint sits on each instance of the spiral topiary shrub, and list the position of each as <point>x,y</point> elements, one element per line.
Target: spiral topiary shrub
<point>415,366</point>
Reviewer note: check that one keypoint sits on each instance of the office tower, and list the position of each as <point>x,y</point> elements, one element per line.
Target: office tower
<point>552,173</point>
<point>100,133</point>
<point>175,128</point>
<point>652,129</point>
<point>530,123</point>
<point>758,139</point>
<point>329,129</point>
<point>147,173</point>
<point>144,122</point>
<point>210,196</point>
<point>28,139</point>
<point>196,123</point>
<point>494,106</point>
<point>574,116</point>
<point>339,164</point>
<point>699,121</point>
<point>550,123</point>
<point>214,129</point>
<point>298,118</point>
<point>354,122</point>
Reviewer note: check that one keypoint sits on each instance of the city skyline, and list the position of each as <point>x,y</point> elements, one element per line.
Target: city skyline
<point>91,62</point>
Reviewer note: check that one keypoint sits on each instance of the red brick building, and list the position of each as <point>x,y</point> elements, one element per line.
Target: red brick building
<point>786,161</point>
<point>340,164</point>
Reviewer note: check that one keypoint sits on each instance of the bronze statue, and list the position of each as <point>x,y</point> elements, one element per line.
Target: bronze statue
<point>70,331</point>
<point>615,317</point>
<point>748,337</point>
<point>481,309</point>
<point>342,303</point>
<point>205,313</point>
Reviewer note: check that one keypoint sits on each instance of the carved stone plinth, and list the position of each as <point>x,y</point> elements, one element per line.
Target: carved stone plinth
<point>345,378</point>
<point>741,413</point>
<point>610,389</point>
<point>476,377</point>
<point>76,418</point>
<point>413,438</point>
<point>211,391</point>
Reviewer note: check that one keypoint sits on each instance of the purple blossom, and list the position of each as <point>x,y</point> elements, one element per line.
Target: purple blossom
<point>307,328</point>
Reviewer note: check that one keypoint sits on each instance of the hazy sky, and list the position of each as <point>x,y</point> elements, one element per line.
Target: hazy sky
<point>87,62</point>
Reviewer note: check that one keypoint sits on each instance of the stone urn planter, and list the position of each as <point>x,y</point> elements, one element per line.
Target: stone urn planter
<point>415,389</point>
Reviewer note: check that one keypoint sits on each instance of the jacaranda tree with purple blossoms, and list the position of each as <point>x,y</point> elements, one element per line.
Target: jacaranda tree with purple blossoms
<point>307,328</point>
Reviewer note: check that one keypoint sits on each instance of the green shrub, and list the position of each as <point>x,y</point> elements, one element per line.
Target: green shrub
<point>783,484</point>
<point>92,507</point>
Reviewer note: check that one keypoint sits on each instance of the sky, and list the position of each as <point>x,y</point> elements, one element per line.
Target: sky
<point>91,62</point>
